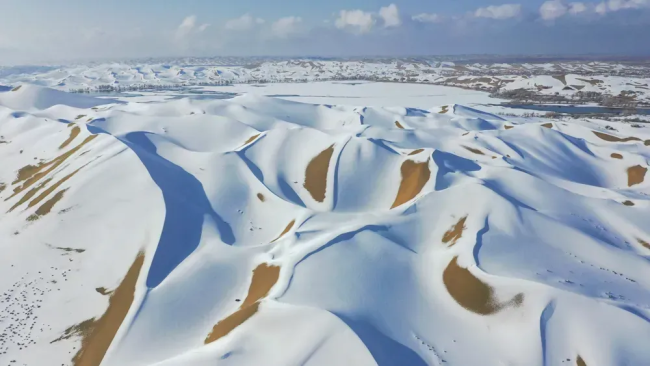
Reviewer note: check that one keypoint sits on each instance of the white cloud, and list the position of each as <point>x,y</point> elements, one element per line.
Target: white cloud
<point>359,20</point>
<point>577,8</point>
<point>601,8</point>
<point>553,9</point>
<point>188,26</point>
<point>243,23</point>
<point>427,18</point>
<point>285,27</point>
<point>390,15</point>
<point>616,5</point>
<point>505,11</point>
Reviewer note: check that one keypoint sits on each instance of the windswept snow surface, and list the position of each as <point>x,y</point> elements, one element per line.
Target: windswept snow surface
<point>261,231</point>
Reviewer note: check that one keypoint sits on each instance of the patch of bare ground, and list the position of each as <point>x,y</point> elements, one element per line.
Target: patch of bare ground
<point>261,197</point>
<point>316,174</point>
<point>67,250</point>
<point>399,125</point>
<point>16,88</point>
<point>471,293</point>
<point>31,174</point>
<point>286,230</point>
<point>264,278</point>
<point>455,232</point>
<point>46,207</point>
<point>50,203</point>
<point>415,152</point>
<point>103,291</point>
<point>580,362</point>
<point>561,78</point>
<point>548,125</point>
<point>2,187</point>
<point>414,177</point>
<point>611,138</point>
<point>251,139</point>
<point>644,243</point>
<point>628,203</point>
<point>592,81</point>
<point>475,151</point>
<point>97,334</point>
<point>636,175</point>
<point>444,109</point>
<point>80,116</point>
<point>73,134</point>
<point>616,156</point>
<point>507,127</point>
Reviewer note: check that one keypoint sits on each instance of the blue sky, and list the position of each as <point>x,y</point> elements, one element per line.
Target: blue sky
<point>41,30</point>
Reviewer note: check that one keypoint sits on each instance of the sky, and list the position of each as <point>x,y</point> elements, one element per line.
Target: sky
<point>33,31</point>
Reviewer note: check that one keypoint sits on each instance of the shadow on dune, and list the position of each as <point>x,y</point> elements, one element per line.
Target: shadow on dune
<point>186,206</point>
<point>385,350</point>
<point>450,163</point>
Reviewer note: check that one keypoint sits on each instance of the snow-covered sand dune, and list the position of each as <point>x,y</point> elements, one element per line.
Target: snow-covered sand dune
<point>259,231</point>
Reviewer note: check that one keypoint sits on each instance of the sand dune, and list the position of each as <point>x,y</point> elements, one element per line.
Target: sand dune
<point>258,231</point>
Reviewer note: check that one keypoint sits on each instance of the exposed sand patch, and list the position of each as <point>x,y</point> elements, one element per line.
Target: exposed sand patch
<point>316,174</point>
<point>415,152</point>
<point>227,325</point>
<point>45,208</point>
<point>76,330</point>
<point>264,278</point>
<point>42,196</point>
<point>31,174</point>
<point>548,125</point>
<point>644,243</point>
<point>471,293</point>
<point>51,189</point>
<point>628,203</point>
<point>261,197</point>
<point>286,230</point>
<point>29,194</point>
<point>251,139</point>
<point>103,291</point>
<point>398,125</point>
<point>97,335</point>
<point>610,138</point>
<point>475,151</point>
<point>580,362</point>
<point>616,156</point>
<point>507,127</point>
<point>73,134</point>
<point>456,232</point>
<point>445,109</point>
<point>635,175</point>
<point>414,177</point>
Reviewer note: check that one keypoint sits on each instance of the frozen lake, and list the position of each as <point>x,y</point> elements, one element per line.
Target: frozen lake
<point>369,94</point>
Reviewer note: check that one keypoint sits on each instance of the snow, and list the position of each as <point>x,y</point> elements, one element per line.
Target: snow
<point>549,230</point>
